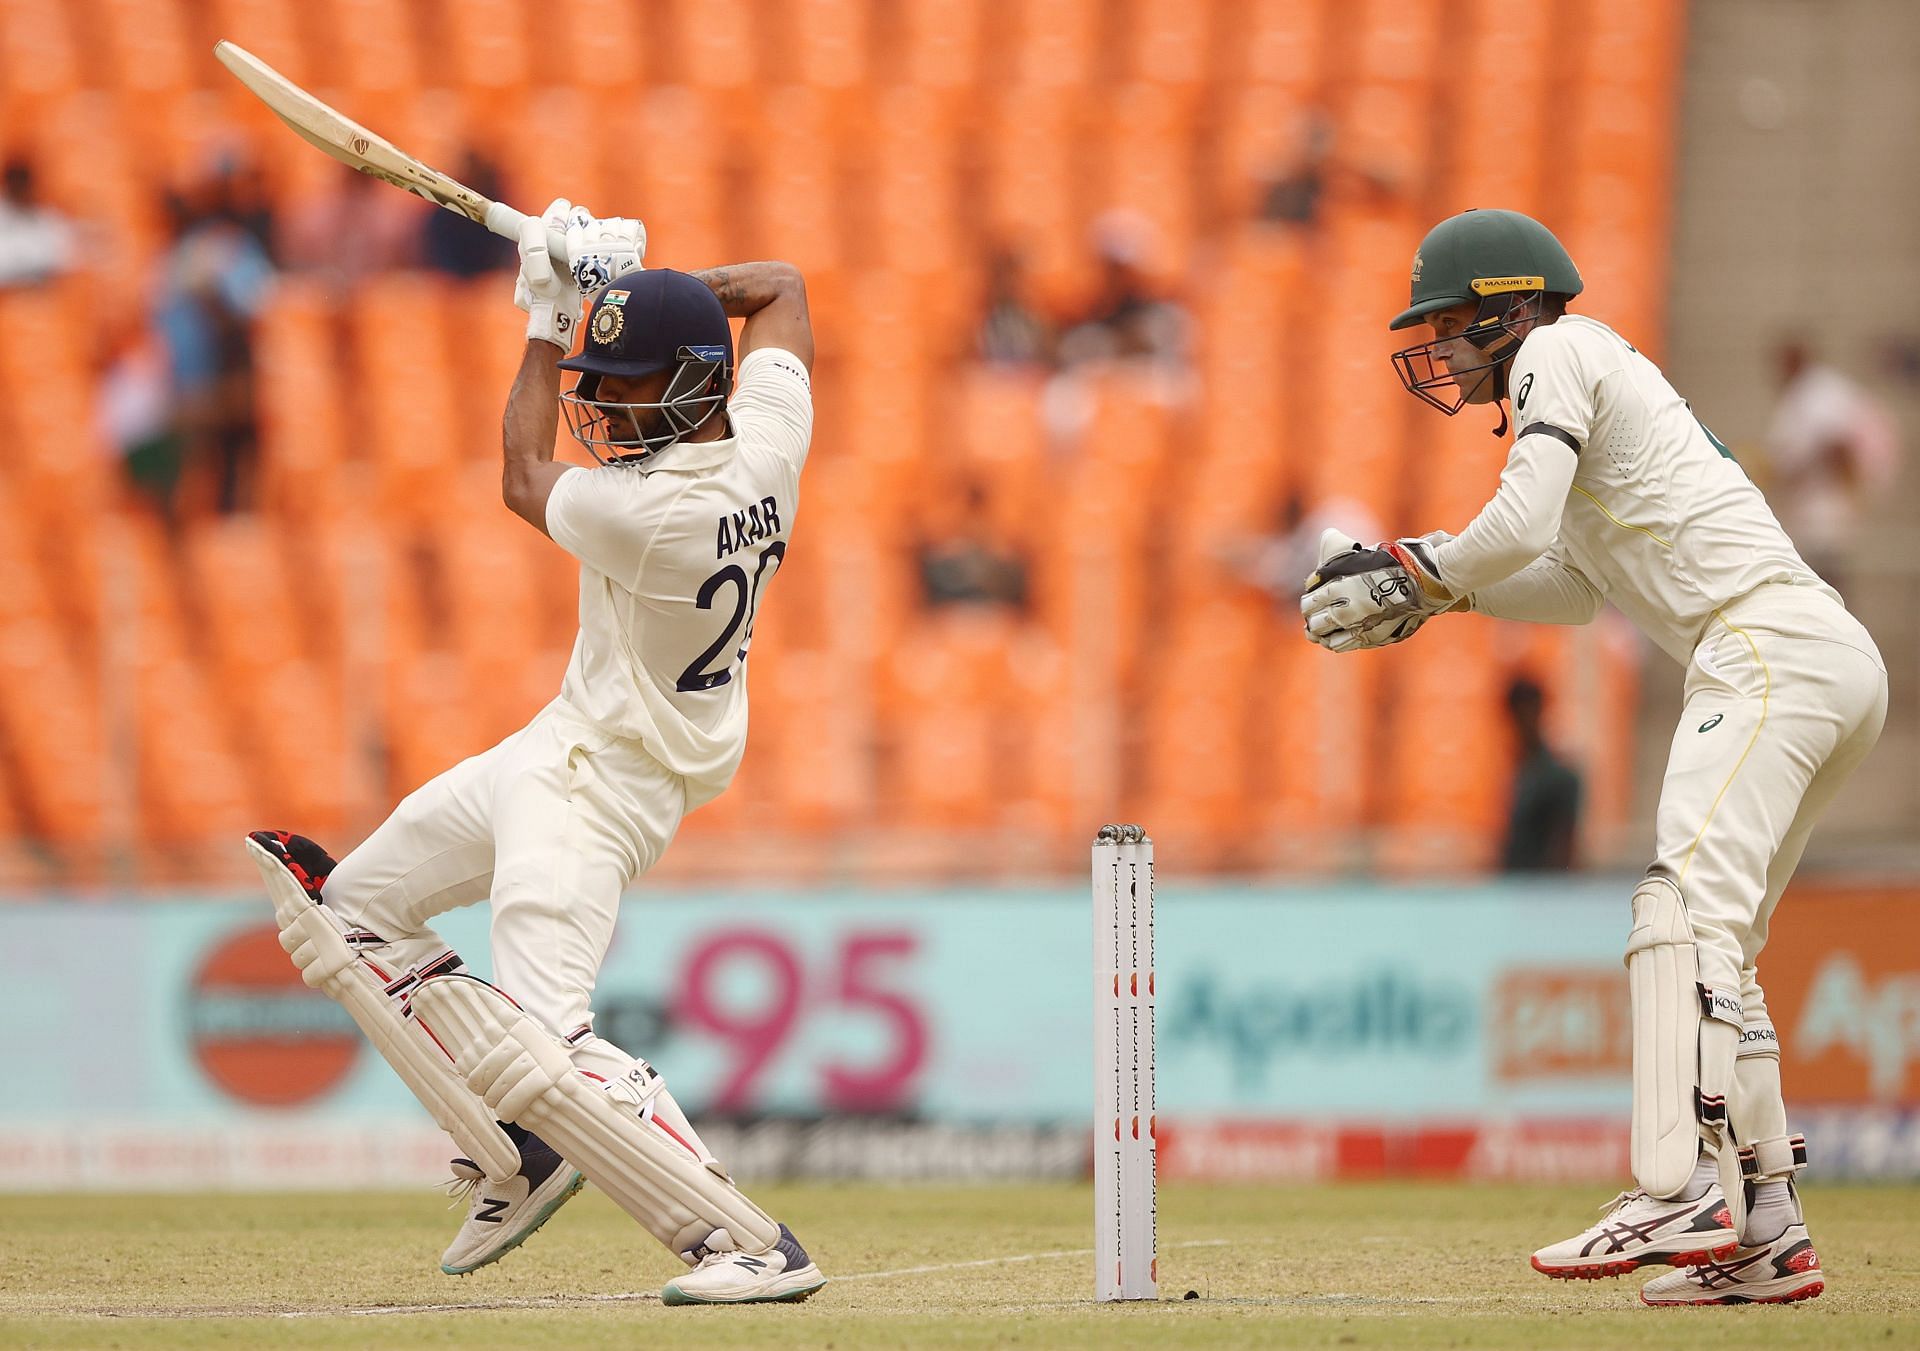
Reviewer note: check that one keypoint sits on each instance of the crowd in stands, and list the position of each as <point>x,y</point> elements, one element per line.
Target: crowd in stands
<point>1101,292</point>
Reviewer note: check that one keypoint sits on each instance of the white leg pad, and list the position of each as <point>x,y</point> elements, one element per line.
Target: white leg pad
<point>316,939</point>
<point>1754,1106</point>
<point>609,1130</point>
<point>1684,1039</point>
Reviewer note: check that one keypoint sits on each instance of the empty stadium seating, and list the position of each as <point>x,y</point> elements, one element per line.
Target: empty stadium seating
<point>381,614</point>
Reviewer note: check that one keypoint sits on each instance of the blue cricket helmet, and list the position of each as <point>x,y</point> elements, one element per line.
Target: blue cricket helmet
<point>644,322</point>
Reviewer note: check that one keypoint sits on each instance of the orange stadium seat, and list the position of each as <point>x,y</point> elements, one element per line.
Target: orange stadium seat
<point>38,56</point>
<point>147,44</point>
<point>1057,41</point>
<point>1448,754</point>
<point>270,30</point>
<point>937,43</point>
<point>715,41</point>
<point>59,745</point>
<point>829,41</point>
<point>370,44</point>
<point>576,26</point>
<point>1170,45</point>
<point>302,411</point>
<point>1280,42</point>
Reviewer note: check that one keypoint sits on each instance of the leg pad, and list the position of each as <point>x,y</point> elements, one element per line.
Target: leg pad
<point>626,1149</point>
<point>1684,1038</point>
<point>317,940</point>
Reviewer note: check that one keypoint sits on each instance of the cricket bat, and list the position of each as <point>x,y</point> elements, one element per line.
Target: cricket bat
<point>356,147</point>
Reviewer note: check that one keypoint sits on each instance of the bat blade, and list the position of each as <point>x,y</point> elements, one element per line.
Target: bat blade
<point>332,132</point>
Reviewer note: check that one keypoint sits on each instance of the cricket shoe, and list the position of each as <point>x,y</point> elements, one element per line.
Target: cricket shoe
<point>1639,1231</point>
<point>1780,1272</point>
<point>503,1215</point>
<point>781,1273</point>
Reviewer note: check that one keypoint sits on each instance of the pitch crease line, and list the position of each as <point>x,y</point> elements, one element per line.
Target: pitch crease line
<point>561,1301</point>
<point>1006,1261</point>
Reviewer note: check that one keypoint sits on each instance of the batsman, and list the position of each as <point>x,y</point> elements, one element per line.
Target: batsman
<point>1614,491</point>
<point>678,532</point>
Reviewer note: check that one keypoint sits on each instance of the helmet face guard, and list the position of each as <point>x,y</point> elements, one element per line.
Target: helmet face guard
<point>1494,332</point>
<point>627,433</point>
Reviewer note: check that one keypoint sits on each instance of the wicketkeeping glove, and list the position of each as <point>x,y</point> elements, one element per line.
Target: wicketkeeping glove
<point>600,250</point>
<point>1360,597</point>
<point>549,296</point>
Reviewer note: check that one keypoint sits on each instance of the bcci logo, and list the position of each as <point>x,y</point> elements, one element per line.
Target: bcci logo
<point>608,321</point>
<point>1416,269</point>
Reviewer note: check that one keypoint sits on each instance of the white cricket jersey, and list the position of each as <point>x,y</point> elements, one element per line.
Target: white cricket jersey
<point>1650,509</point>
<point>676,554</point>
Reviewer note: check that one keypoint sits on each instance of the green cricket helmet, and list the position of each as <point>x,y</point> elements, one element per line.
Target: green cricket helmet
<point>1506,262</point>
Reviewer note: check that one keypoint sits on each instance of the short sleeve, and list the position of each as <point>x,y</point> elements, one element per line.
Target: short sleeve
<point>773,397</point>
<point>1551,391</point>
<point>594,515</point>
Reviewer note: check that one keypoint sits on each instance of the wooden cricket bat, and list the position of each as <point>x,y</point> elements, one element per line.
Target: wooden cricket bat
<point>353,145</point>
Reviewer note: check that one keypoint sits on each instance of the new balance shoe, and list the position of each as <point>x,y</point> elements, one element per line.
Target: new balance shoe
<point>503,1215</point>
<point>1640,1230</point>
<point>1779,1272</point>
<point>781,1273</point>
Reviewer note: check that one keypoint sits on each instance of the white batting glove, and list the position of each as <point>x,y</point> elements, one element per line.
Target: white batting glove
<point>600,250</point>
<point>548,295</point>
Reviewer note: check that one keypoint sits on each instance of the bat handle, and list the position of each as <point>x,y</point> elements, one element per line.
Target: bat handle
<point>503,220</point>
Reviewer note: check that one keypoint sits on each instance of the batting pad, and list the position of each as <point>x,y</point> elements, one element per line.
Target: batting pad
<point>314,938</point>
<point>1684,1039</point>
<point>527,1077</point>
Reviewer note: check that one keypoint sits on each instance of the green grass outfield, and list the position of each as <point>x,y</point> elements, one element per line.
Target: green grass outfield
<point>1358,1266</point>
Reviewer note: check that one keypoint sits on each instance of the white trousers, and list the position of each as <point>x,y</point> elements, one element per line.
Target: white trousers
<point>551,825</point>
<point>1785,696</point>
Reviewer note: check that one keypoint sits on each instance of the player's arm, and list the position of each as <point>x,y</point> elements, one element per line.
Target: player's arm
<point>527,434</point>
<point>1553,406</point>
<point>1548,590</point>
<point>1519,524</point>
<point>551,298</point>
<point>772,298</point>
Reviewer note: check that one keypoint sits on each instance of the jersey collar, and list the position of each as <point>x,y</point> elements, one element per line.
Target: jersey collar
<point>687,455</point>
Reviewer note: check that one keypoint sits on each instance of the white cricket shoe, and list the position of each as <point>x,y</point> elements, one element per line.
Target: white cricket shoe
<point>1779,1272</point>
<point>505,1214</point>
<point>781,1273</point>
<point>1641,1230</point>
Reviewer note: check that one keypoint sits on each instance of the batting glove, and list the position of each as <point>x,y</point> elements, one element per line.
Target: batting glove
<point>600,250</point>
<point>549,296</point>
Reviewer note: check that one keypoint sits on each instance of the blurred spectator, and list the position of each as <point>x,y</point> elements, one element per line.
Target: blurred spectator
<point>1280,562</point>
<point>453,244</point>
<point>362,228</point>
<point>214,280</point>
<point>238,195</point>
<point>36,243</point>
<point>1012,332</point>
<point>1830,448</point>
<point>968,566</point>
<point>1296,194</point>
<point>1127,324</point>
<point>1292,196</point>
<point>1126,320</point>
<point>1545,815</point>
<point>135,416</point>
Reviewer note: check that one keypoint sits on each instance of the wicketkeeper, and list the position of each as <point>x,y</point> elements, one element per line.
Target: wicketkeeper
<point>678,532</point>
<point>1614,491</point>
